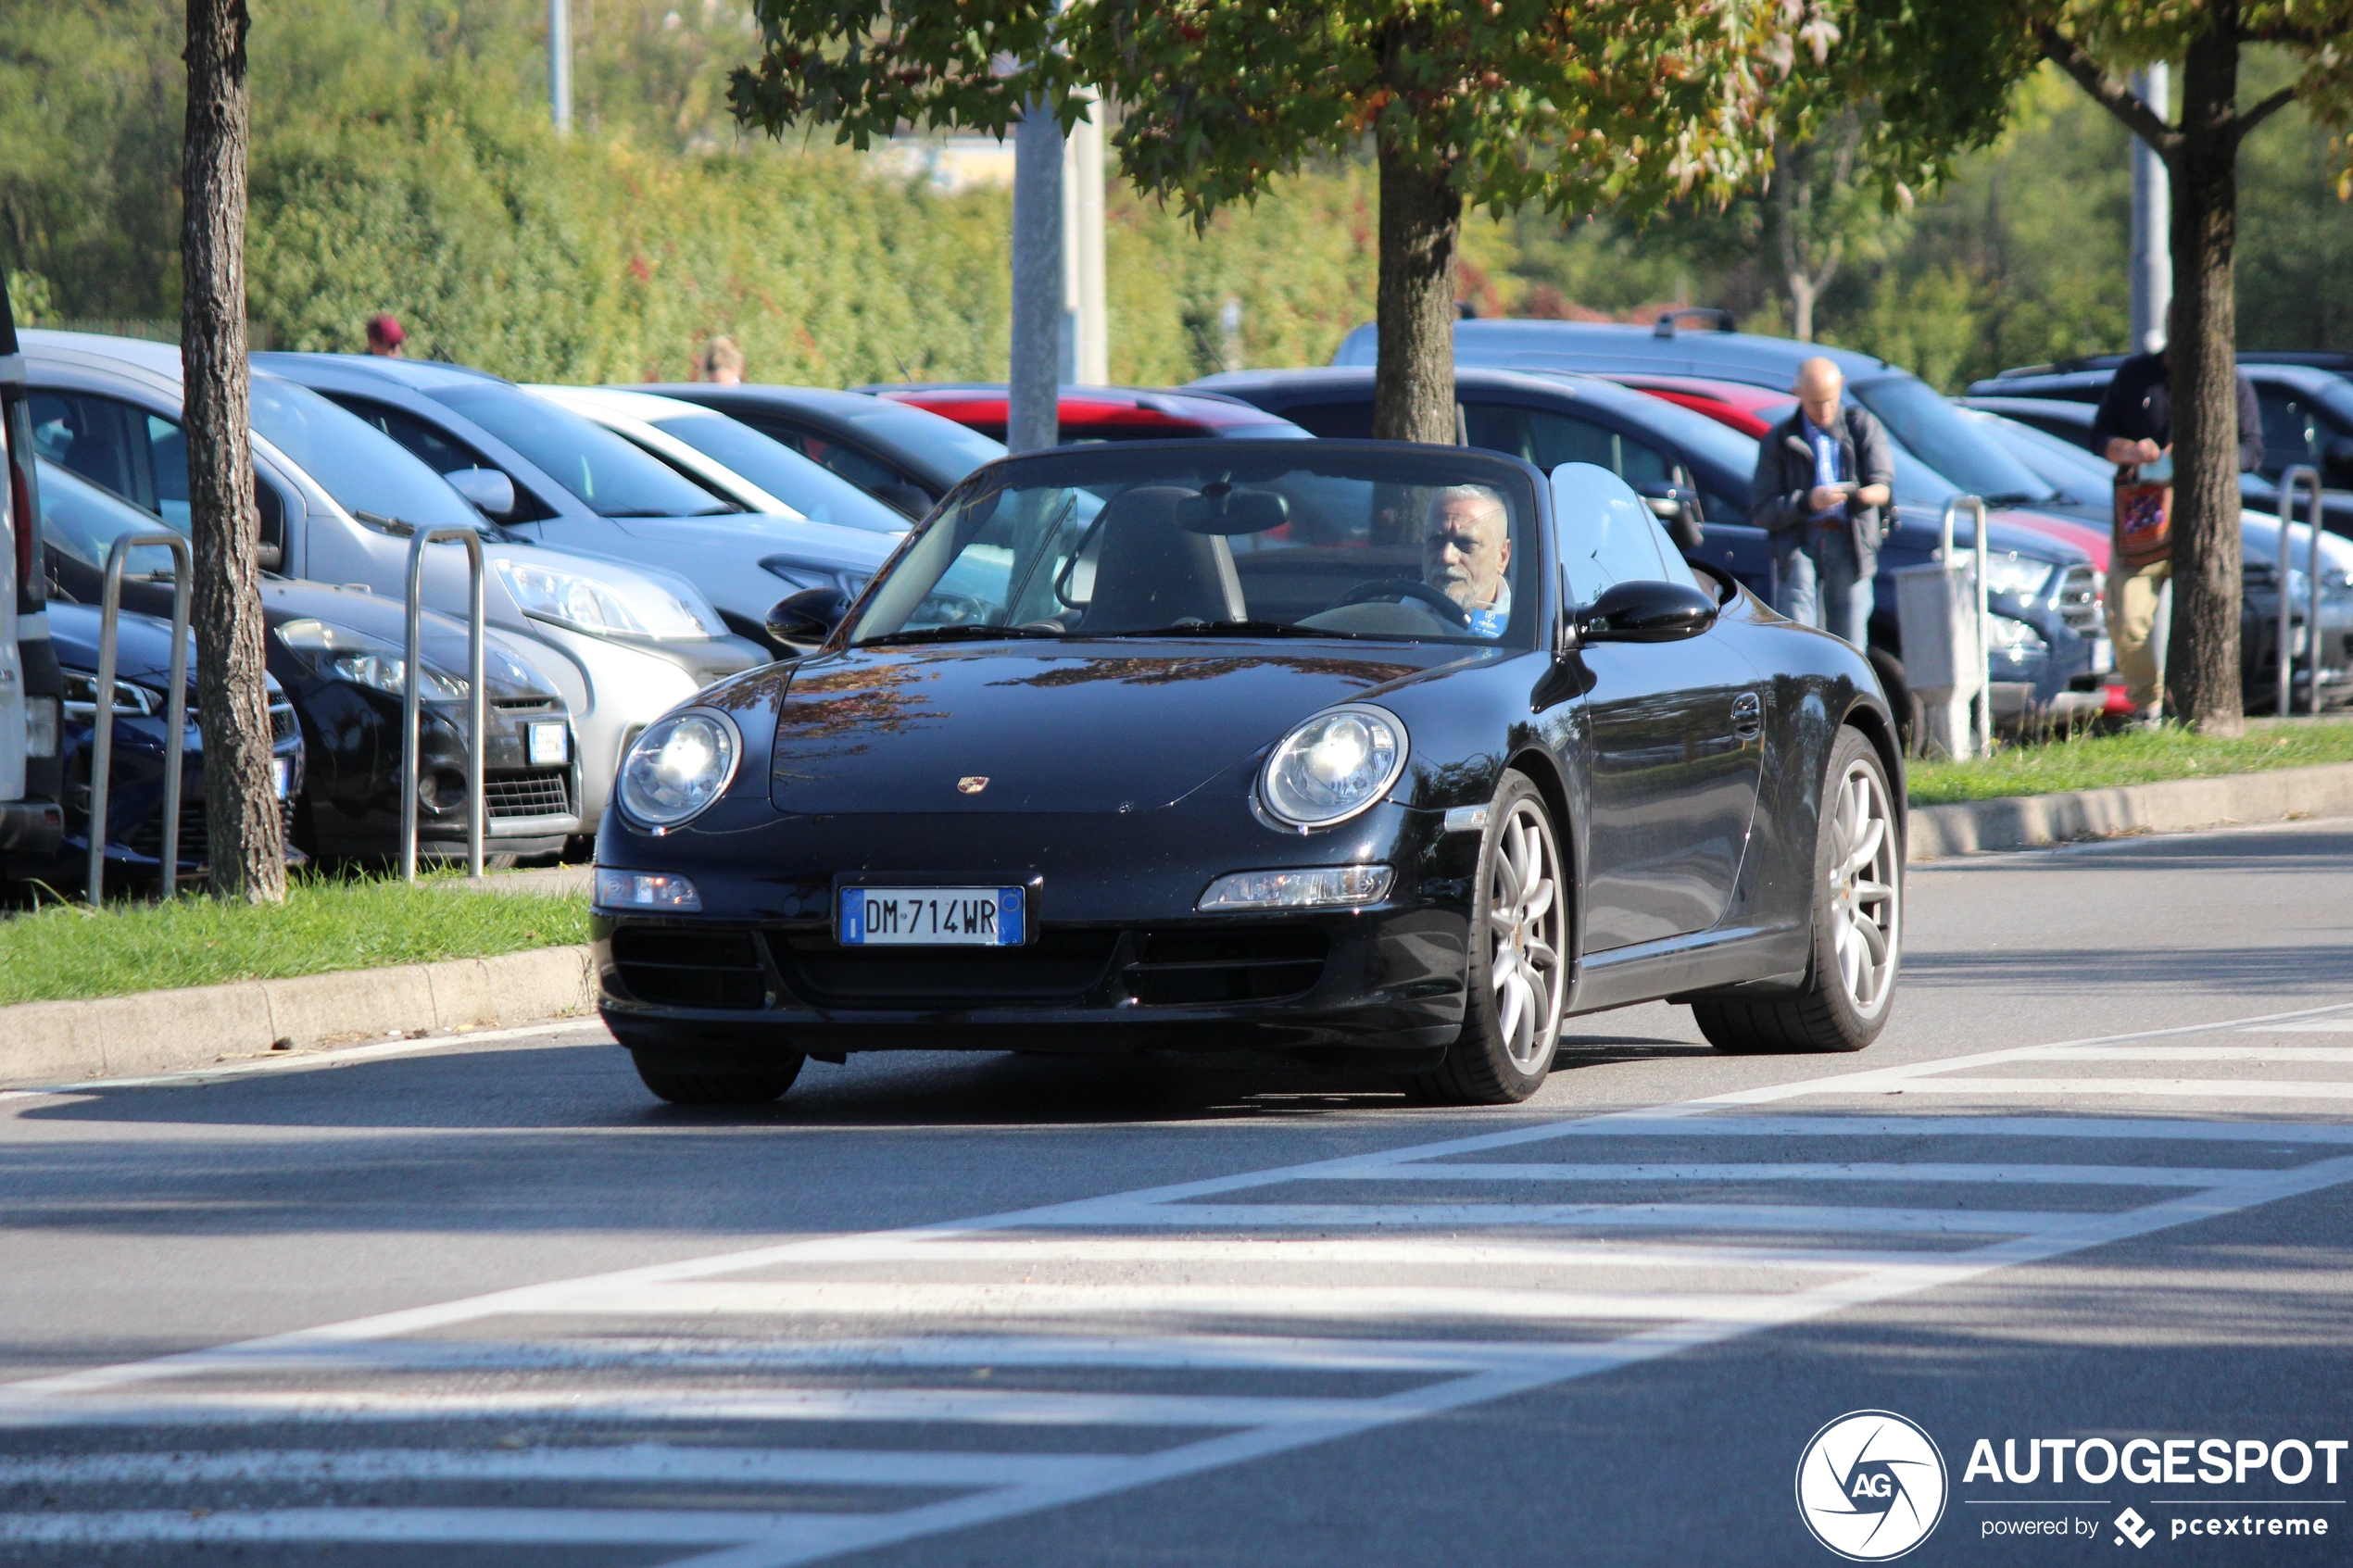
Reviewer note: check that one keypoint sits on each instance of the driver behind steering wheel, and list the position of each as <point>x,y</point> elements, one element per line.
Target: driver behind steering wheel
<point>1465,551</point>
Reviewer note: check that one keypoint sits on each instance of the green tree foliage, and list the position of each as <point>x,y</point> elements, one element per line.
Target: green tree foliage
<point>402,161</point>
<point>1501,105</point>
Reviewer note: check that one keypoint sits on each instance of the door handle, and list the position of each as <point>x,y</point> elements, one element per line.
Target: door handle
<point>1748,716</point>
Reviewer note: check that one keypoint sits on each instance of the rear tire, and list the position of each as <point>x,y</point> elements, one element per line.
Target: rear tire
<point>1518,969</point>
<point>1858,893</point>
<point>718,1089</point>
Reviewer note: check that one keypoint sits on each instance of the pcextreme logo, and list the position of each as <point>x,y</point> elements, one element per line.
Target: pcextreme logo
<point>1870,1485</point>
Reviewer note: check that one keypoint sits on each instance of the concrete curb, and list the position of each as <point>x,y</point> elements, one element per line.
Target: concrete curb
<point>167,1030</point>
<point>2022,821</point>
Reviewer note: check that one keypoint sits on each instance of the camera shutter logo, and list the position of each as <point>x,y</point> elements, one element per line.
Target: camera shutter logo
<point>1872,1485</point>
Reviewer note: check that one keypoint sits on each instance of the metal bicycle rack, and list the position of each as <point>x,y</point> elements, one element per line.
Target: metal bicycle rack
<point>2288,482</point>
<point>175,707</point>
<point>411,705</point>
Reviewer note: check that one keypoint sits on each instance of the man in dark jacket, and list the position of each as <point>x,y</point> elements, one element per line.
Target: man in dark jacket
<point>1825,477</point>
<point>2133,429</point>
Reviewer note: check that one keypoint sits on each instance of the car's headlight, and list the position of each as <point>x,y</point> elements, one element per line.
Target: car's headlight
<point>585,604</point>
<point>679,765</point>
<point>81,699</point>
<point>2011,640</point>
<point>1335,765</point>
<point>2017,574</point>
<point>341,654</point>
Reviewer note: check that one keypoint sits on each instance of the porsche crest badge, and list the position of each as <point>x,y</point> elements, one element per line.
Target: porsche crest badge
<point>972,784</point>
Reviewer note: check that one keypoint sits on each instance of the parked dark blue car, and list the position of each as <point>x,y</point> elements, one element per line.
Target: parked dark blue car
<point>135,800</point>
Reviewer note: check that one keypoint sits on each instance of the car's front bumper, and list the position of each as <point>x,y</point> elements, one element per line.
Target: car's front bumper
<point>1119,961</point>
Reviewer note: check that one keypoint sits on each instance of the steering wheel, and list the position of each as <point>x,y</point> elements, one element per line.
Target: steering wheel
<point>1404,587</point>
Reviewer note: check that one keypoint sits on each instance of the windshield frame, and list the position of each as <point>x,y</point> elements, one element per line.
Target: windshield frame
<point>1130,463</point>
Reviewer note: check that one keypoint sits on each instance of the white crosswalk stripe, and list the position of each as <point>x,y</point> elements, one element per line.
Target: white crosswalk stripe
<point>1040,1358</point>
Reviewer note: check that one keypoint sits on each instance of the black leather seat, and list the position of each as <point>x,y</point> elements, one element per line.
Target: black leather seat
<point>1149,573</point>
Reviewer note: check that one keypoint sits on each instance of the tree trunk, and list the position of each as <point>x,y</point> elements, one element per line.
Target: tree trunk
<point>1421,219</point>
<point>2202,661</point>
<point>1801,307</point>
<point>247,850</point>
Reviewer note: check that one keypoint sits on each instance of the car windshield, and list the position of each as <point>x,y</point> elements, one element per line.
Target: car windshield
<point>611,477</point>
<point>362,468</point>
<point>951,447</point>
<point>1103,542</point>
<point>80,521</point>
<point>1933,429</point>
<point>2069,469</point>
<point>783,473</point>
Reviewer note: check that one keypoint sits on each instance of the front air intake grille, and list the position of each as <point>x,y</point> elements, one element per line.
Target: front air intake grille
<point>524,704</point>
<point>195,832</point>
<point>539,793</point>
<point>1059,966</point>
<point>690,969</point>
<point>2077,599</point>
<point>1175,969</point>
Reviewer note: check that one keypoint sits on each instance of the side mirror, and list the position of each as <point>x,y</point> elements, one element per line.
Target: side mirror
<point>808,618</point>
<point>491,493</point>
<point>1645,612</point>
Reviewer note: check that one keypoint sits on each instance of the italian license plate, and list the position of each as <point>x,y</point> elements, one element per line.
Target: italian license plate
<point>2103,656</point>
<point>930,917</point>
<point>281,773</point>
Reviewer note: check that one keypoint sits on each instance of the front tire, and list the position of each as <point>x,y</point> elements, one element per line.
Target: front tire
<point>1518,969</point>
<point>1859,895</point>
<point>718,1089</point>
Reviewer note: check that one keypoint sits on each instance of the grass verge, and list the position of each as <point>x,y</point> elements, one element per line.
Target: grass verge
<point>2086,762</point>
<point>66,950</point>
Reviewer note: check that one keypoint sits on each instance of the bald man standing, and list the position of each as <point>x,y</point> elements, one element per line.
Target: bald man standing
<point>1825,477</point>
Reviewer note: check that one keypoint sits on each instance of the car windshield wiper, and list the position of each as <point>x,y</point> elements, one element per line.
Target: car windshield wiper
<point>1227,629</point>
<point>955,635</point>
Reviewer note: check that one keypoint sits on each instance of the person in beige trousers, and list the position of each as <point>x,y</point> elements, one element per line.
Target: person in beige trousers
<point>2134,428</point>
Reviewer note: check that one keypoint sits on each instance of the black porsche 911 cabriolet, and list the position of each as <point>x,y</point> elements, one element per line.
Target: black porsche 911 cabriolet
<point>1360,751</point>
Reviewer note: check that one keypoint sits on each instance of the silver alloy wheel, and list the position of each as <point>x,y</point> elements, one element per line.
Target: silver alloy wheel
<point>1526,927</point>
<point>1864,883</point>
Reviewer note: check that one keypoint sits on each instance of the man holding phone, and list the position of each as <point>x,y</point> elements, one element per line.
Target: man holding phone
<point>1825,477</point>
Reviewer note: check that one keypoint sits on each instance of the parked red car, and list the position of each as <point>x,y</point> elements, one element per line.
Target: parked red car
<point>1101,413</point>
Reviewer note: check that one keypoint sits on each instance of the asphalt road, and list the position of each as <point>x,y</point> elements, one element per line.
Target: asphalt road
<point>489,1304</point>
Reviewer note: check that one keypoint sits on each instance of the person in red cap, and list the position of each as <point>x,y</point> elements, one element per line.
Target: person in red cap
<point>385,336</point>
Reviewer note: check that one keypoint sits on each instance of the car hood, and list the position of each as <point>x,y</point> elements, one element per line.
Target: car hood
<point>142,646</point>
<point>508,676</point>
<point>1111,726</point>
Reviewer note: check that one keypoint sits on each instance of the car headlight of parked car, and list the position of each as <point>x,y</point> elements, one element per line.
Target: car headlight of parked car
<point>81,699</point>
<point>2017,574</point>
<point>1335,765</point>
<point>600,608</point>
<point>339,653</point>
<point>679,765</point>
<point>2011,640</point>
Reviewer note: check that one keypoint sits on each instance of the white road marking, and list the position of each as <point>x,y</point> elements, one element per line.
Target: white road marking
<point>634,1462</point>
<point>2339,1025</point>
<point>1123,1228</point>
<point>2178,1088</point>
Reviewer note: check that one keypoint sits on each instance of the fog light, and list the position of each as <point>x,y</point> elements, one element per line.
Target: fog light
<point>645,890</point>
<point>1319,887</point>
